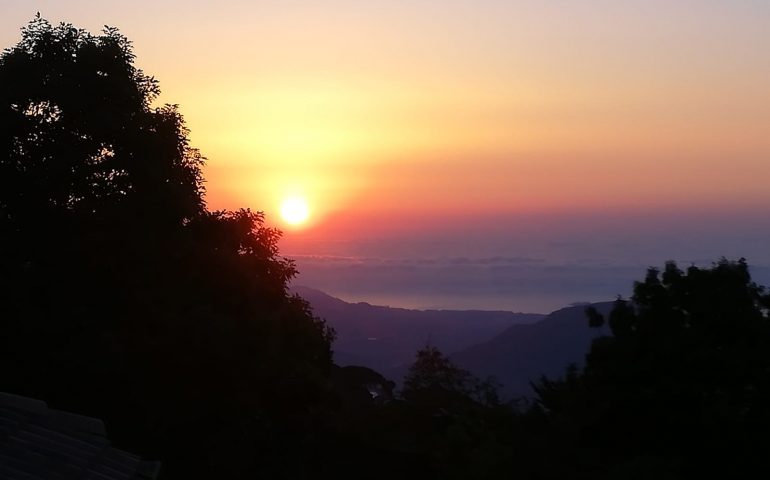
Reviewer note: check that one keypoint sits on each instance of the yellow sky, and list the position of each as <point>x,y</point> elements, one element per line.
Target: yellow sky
<point>458,106</point>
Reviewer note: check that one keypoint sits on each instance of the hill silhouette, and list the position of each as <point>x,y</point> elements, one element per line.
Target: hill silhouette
<point>514,348</point>
<point>523,353</point>
<point>383,338</point>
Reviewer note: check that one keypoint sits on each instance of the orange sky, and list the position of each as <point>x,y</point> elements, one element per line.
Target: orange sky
<point>433,109</point>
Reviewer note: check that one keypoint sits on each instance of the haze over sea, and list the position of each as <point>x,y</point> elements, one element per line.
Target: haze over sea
<point>524,263</point>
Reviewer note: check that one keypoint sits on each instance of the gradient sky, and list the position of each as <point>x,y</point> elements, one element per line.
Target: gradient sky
<point>461,107</point>
<point>415,120</point>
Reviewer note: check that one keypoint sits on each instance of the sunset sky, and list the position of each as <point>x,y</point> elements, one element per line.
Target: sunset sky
<point>412,115</point>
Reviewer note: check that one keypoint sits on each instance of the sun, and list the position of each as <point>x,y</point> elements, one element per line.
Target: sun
<point>294,210</point>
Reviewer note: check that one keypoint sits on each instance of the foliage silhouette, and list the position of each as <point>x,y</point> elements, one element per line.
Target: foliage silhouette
<point>433,379</point>
<point>80,135</point>
<point>681,387</point>
<point>123,296</point>
<point>456,419</point>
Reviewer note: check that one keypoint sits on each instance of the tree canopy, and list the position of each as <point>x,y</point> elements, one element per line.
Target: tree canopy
<point>681,387</point>
<point>433,379</point>
<point>124,297</point>
<point>80,135</point>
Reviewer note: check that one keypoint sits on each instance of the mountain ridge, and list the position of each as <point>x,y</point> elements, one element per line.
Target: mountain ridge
<point>514,348</point>
<point>522,354</point>
<point>382,337</point>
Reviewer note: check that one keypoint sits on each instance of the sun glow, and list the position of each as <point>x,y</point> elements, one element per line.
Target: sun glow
<point>294,210</point>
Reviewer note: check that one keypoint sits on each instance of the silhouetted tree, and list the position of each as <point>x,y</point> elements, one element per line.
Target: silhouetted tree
<point>456,418</point>
<point>80,136</point>
<point>681,388</point>
<point>123,297</point>
<point>434,378</point>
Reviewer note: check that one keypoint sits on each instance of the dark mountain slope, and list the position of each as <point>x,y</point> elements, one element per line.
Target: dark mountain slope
<point>522,353</point>
<point>381,337</point>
